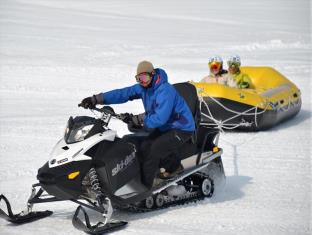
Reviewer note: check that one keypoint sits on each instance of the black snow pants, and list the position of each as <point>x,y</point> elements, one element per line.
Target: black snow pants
<point>159,150</point>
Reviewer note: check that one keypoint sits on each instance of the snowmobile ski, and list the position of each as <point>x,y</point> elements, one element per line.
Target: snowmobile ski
<point>98,228</point>
<point>22,217</point>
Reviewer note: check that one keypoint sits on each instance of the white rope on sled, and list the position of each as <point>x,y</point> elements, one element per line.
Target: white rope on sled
<point>223,124</point>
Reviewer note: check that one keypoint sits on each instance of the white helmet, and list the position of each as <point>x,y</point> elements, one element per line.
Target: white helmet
<point>215,59</point>
<point>234,59</point>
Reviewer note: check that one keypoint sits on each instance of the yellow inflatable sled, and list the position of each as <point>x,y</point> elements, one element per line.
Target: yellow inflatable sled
<point>271,99</point>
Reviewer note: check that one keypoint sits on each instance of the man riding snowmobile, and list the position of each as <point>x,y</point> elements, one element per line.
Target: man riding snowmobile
<point>165,111</point>
<point>93,167</point>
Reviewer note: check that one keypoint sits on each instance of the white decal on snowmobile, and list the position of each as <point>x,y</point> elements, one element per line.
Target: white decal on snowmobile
<point>123,164</point>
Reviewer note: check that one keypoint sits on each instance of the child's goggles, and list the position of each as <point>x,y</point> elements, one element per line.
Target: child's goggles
<point>215,65</point>
<point>233,64</point>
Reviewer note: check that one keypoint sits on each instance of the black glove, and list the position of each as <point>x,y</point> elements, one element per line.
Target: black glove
<point>135,120</point>
<point>88,103</point>
<point>126,117</point>
<point>138,120</point>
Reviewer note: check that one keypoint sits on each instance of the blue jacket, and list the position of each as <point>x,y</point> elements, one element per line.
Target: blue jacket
<point>164,108</point>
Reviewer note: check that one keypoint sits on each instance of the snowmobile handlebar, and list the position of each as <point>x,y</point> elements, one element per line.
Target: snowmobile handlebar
<point>108,110</point>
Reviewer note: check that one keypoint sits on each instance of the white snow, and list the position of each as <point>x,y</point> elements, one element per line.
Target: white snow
<point>53,53</point>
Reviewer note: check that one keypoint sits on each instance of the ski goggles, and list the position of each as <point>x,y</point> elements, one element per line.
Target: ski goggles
<point>143,78</point>
<point>215,65</point>
<point>233,64</point>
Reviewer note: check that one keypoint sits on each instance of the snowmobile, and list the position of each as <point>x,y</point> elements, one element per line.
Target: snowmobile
<point>93,167</point>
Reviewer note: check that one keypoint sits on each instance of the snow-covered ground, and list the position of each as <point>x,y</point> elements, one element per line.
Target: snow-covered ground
<point>53,53</point>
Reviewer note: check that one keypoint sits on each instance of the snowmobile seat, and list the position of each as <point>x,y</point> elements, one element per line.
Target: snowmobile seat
<point>189,93</point>
<point>202,135</point>
<point>203,139</point>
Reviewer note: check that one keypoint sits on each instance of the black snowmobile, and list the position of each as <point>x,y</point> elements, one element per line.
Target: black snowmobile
<point>93,167</point>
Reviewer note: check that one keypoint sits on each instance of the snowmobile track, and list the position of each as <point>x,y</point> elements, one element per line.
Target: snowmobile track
<point>189,197</point>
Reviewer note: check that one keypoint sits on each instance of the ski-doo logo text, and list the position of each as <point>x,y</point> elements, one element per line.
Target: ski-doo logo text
<point>123,164</point>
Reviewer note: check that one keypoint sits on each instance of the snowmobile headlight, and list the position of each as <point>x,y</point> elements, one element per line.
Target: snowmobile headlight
<point>78,134</point>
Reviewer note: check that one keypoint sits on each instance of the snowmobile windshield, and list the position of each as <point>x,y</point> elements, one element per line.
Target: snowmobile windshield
<point>78,128</point>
